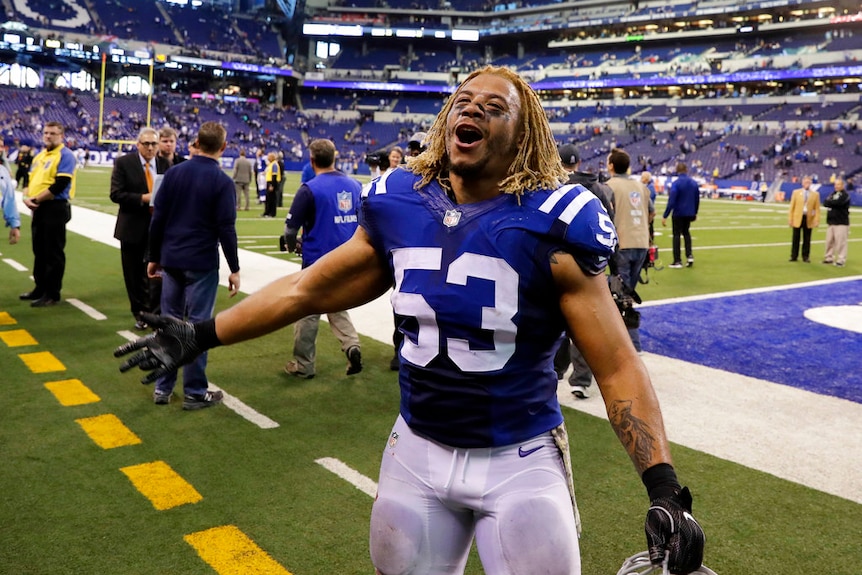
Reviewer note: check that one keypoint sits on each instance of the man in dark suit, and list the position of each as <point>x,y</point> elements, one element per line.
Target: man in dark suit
<point>132,189</point>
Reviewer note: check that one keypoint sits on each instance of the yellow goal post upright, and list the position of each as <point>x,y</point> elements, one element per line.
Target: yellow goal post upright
<point>103,82</point>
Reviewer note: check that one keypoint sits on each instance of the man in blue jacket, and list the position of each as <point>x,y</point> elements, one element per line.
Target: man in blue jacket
<point>683,202</point>
<point>194,212</point>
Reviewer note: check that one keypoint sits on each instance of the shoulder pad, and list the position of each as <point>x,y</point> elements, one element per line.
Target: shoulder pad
<point>576,216</point>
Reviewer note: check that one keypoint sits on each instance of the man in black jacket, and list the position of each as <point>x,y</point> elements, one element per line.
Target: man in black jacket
<point>132,189</point>
<point>837,225</point>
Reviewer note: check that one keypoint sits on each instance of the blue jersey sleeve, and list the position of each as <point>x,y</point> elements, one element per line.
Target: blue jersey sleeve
<point>575,218</point>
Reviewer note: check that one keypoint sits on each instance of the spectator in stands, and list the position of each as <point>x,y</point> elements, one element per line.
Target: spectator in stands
<point>168,146</point>
<point>48,196</point>
<point>325,209</point>
<point>682,205</point>
<point>804,216</point>
<point>243,174</point>
<point>133,181</point>
<point>837,225</point>
<point>632,213</point>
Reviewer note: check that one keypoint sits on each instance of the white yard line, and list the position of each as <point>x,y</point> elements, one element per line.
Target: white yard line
<point>15,265</point>
<point>353,477</point>
<point>90,311</point>
<point>231,402</point>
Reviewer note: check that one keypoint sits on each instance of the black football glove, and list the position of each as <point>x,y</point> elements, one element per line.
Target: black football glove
<point>174,343</point>
<point>671,530</point>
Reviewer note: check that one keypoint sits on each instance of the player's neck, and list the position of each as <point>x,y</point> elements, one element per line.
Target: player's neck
<point>471,191</point>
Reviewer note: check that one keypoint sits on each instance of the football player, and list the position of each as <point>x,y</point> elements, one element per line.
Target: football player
<point>492,259</point>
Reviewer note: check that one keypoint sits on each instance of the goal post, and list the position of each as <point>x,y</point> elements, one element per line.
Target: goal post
<point>103,136</point>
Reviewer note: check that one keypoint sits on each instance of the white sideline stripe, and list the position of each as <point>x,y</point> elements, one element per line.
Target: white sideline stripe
<point>245,411</point>
<point>353,477</point>
<point>748,291</point>
<point>812,439</point>
<point>90,311</point>
<point>15,265</point>
<point>231,402</point>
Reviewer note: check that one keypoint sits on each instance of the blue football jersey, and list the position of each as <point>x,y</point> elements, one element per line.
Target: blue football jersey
<point>476,301</point>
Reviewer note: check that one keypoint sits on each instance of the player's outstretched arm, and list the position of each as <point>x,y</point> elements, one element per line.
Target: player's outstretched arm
<point>350,275</point>
<point>596,327</point>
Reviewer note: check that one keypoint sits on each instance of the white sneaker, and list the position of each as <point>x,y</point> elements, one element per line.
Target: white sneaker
<point>675,266</point>
<point>579,391</point>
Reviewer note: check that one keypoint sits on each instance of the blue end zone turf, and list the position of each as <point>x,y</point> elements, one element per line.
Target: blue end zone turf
<point>767,336</point>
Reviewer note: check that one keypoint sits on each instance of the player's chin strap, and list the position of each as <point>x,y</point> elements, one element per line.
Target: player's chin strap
<point>561,438</point>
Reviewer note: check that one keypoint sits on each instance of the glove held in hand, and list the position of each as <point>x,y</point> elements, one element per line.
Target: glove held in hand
<point>671,530</point>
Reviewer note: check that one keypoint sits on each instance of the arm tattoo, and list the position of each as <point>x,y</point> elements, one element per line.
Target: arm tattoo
<point>635,434</point>
<point>553,257</point>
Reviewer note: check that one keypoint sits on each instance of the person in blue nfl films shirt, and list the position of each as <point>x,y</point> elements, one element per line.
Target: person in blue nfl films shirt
<point>325,209</point>
<point>490,257</point>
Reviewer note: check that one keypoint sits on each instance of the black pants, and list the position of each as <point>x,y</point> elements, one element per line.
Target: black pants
<point>144,293</point>
<point>269,208</point>
<point>49,244</point>
<point>805,232</point>
<point>681,230</point>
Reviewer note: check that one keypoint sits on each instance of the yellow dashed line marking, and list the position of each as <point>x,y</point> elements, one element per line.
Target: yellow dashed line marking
<point>6,319</point>
<point>107,431</point>
<point>42,362</point>
<point>17,338</point>
<point>72,392</point>
<point>230,552</point>
<point>161,485</point>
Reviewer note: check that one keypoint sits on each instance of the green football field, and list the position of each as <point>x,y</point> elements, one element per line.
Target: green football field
<point>95,479</point>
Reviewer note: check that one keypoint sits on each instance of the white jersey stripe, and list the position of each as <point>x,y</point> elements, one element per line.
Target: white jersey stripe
<point>576,206</point>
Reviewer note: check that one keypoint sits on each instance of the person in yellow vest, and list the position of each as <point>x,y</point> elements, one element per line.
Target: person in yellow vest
<point>273,177</point>
<point>804,216</point>
<point>52,187</point>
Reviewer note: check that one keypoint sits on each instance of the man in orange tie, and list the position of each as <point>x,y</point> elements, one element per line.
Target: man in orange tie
<point>131,187</point>
<point>804,216</point>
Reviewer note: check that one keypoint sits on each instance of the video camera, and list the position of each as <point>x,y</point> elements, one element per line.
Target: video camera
<point>625,298</point>
<point>374,159</point>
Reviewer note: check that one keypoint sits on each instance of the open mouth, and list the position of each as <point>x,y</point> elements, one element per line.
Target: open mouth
<point>468,134</point>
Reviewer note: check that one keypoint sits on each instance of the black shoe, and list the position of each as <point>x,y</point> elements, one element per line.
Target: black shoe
<point>806,260</point>
<point>30,295</point>
<point>44,301</point>
<point>792,260</point>
<point>210,398</point>
<point>140,325</point>
<point>354,356</point>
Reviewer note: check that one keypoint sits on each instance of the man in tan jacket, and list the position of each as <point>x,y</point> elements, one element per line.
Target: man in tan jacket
<point>804,216</point>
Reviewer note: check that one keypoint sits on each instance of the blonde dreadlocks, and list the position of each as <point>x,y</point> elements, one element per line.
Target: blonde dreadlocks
<point>537,165</point>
